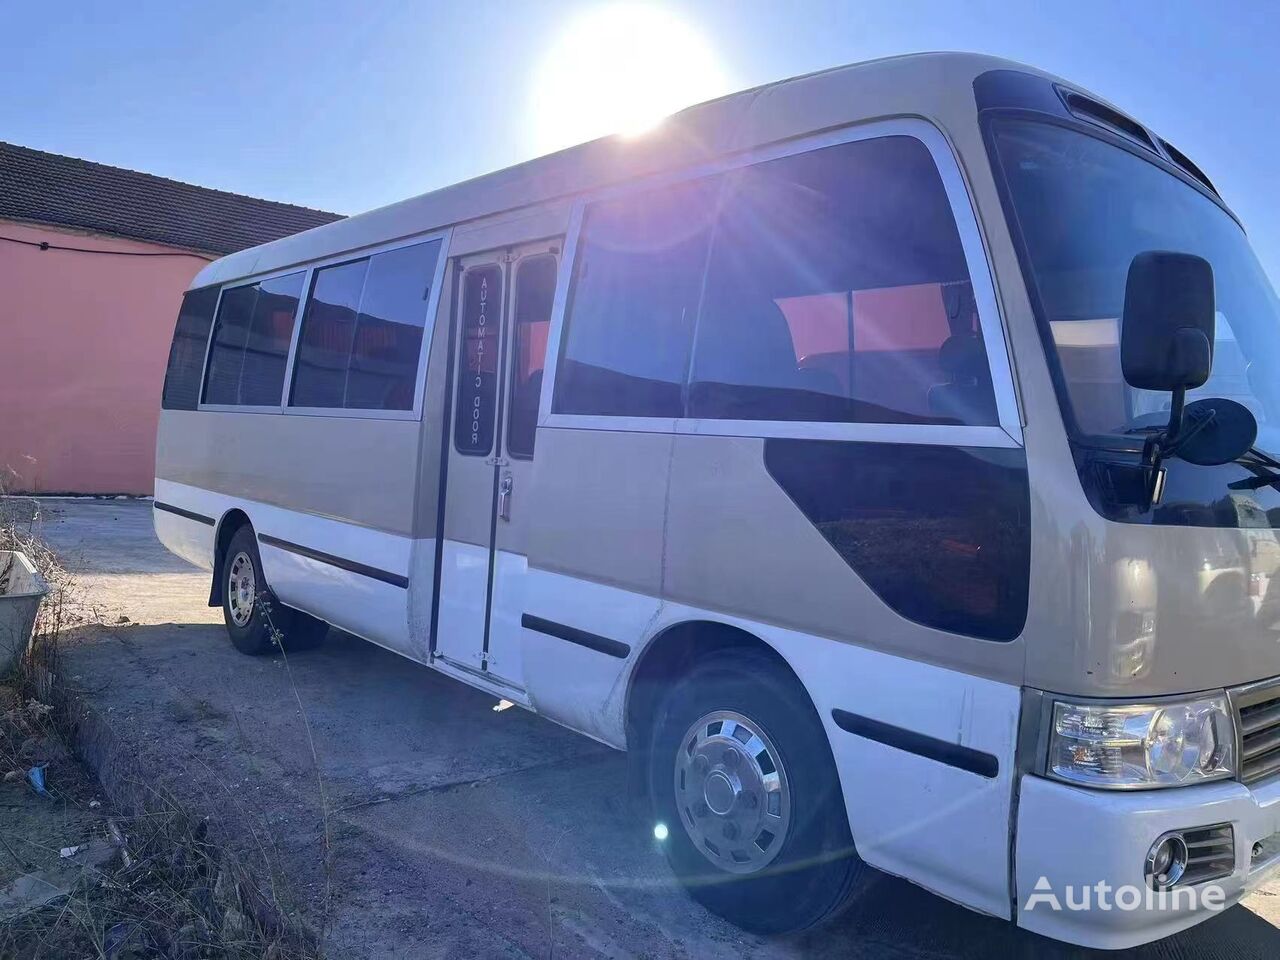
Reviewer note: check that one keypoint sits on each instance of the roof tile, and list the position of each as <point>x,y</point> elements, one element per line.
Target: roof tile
<point>65,191</point>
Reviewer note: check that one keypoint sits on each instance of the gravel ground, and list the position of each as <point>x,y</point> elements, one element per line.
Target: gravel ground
<point>454,830</point>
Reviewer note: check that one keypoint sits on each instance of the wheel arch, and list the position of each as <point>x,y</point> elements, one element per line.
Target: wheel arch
<point>228,524</point>
<point>672,652</point>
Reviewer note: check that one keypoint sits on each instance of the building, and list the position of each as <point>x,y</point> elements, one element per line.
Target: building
<point>93,263</point>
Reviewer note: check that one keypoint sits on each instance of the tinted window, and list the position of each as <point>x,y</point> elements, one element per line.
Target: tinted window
<point>251,342</point>
<point>361,337</point>
<point>328,330</point>
<point>226,356</point>
<point>478,366</point>
<point>535,291</point>
<point>837,291</point>
<point>186,353</point>
<point>266,349</point>
<point>635,292</point>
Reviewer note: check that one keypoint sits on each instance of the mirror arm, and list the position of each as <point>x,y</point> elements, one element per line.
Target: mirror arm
<point>1161,445</point>
<point>1176,407</point>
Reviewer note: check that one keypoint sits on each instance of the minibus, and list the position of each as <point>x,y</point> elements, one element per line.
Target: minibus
<point>883,458</point>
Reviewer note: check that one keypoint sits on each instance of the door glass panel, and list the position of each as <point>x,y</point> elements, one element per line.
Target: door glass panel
<point>478,369</point>
<point>534,293</point>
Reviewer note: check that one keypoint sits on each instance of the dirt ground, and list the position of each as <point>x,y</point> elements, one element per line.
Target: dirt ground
<point>453,829</point>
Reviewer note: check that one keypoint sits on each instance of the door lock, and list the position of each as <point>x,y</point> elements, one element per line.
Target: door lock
<point>504,498</point>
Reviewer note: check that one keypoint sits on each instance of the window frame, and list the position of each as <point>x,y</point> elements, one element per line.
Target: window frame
<point>1008,432</point>
<point>309,270</point>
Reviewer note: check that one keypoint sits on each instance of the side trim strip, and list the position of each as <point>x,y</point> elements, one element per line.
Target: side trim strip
<point>952,754</point>
<point>373,573</point>
<point>178,511</point>
<point>592,641</point>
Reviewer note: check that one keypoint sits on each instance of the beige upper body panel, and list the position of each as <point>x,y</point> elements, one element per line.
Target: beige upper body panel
<point>359,471</point>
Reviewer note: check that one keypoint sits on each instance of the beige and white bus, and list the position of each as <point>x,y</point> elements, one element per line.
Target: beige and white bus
<point>882,457</point>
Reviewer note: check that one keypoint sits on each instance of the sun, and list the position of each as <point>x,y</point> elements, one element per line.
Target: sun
<point>620,68</point>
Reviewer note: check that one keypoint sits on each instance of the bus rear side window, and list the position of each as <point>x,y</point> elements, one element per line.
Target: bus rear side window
<point>251,340</point>
<point>186,353</point>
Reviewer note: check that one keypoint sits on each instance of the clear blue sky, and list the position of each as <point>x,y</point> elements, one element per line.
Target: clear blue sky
<point>347,106</point>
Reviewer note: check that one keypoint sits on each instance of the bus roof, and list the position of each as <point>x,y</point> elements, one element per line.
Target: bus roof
<point>937,86</point>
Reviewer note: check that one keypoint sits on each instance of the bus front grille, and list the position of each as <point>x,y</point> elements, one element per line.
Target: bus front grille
<point>1258,718</point>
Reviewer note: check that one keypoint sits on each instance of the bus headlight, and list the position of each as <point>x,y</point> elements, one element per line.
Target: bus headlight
<point>1127,746</point>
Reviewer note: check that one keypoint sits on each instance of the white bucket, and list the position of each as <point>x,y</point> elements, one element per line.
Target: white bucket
<point>21,590</point>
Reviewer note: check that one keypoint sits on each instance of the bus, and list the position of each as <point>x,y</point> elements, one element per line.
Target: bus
<point>879,457</point>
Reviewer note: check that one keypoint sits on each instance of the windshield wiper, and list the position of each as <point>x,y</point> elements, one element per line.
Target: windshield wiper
<point>1258,461</point>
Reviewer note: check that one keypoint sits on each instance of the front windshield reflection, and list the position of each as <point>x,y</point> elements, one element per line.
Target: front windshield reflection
<point>1085,209</point>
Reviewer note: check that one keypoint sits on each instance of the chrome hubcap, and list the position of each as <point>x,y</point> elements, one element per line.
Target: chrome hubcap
<point>732,792</point>
<point>241,589</point>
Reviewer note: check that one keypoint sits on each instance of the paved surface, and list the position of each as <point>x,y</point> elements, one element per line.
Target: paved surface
<point>455,830</point>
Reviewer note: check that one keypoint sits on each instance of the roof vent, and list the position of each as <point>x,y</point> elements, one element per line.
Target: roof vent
<point>1086,108</point>
<point>1180,158</point>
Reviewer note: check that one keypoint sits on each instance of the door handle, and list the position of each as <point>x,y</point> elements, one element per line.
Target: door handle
<point>504,498</point>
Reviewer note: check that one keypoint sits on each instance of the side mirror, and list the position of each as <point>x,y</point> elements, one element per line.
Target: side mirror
<point>1166,333</point>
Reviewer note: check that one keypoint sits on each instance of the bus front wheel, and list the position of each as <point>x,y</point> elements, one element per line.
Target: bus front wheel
<point>749,807</point>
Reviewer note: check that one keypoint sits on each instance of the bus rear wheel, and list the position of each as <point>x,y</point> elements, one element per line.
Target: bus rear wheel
<point>256,622</point>
<point>742,779</point>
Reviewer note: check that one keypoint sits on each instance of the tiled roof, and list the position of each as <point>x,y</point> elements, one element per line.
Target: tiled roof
<point>53,189</point>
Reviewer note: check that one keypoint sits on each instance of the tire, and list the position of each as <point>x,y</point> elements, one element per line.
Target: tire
<point>243,590</point>
<point>250,610</point>
<point>756,831</point>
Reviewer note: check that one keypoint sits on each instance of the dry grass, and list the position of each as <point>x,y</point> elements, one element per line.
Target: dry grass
<point>161,886</point>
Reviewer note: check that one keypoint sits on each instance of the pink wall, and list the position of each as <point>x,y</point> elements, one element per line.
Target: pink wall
<point>83,343</point>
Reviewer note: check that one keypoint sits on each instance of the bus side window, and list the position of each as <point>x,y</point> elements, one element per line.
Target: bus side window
<point>251,338</point>
<point>637,277</point>
<point>361,341</point>
<point>535,291</point>
<point>837,290</point>
<point>186,353</point>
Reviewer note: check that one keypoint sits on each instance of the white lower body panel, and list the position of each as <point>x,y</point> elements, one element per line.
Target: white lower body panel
<point>945,828</point>
<point>361,604</point>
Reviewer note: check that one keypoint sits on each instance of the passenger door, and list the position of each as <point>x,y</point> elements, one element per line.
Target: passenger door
<point>502,322</point>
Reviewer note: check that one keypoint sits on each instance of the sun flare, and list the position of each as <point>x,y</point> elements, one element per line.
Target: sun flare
<point>620,68</point>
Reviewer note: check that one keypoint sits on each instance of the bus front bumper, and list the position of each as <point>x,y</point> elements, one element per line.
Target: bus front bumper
<point>1081,855</point>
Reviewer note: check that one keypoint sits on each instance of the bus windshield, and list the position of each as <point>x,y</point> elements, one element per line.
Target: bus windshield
<point>1085,208</point>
